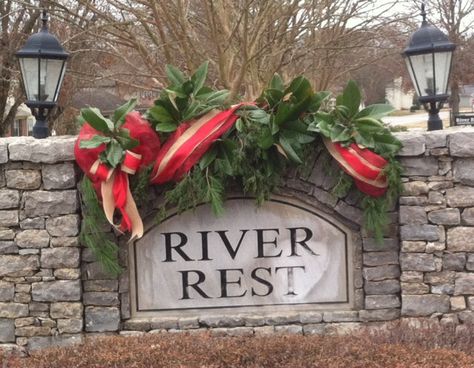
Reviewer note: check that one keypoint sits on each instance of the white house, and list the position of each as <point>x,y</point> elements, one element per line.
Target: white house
<point>397,97</point>
<point>23,123</point>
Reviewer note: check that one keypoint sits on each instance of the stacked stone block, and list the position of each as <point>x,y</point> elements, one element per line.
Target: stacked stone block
<point>53,291</point>
<point>436,227</point>
<point>40,278</point>
<point>100,298</point>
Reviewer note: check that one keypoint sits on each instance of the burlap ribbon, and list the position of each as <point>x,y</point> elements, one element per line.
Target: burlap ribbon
<point>115,191</point>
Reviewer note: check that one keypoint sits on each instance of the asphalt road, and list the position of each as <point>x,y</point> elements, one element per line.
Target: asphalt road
<point>410,120</point>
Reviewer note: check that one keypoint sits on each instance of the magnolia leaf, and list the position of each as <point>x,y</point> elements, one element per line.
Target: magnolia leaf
<point>365,139</point>
<point>215,98</point>
<point>265,140</point>
<point>187,88</point>
<point>166,127</point>
<point>343,111</point>
<point>375,111</point>
<point>369,125</point>
<point>80,120</point>
<point>160,114</point>
<point>289,111</point>
<point>290,152</point>
<point>387,144</point>
<point>114,153</point>
<point>122,112</point>
<point>272,96</point>
<point>204,90</point>
<point>96,120</point>
<point>276,83</point>
<point>199,77</point>
<point>284,111</point>
<point>192,110</point>
<point>207,158</point>
<point>295,125</point>
<point>202,111</point>
<point>259,116</point>
<point>322,95</point>
<point>340,133</point>
<point>274,127</point>
<point>297,138</point>
<point>176,92</point>
<point>297,131</point>
<point>300,88</point>
<point>94,142</point>
<point>125,140</point>
<point>351,98</point>
<point>323,123</point>
<point>318,99</point>
<point>175,76</point>
<point>172,98</point>
<point>239,125</point>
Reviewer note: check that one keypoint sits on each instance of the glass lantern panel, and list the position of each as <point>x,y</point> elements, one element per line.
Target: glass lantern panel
<point>51,75</point>
<point>442,68</point>
<point>412,76</point>
<point>29,71</point>
<point>423,72</point>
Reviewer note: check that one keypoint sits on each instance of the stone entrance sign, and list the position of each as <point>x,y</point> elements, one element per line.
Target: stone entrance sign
<point>282,254</point>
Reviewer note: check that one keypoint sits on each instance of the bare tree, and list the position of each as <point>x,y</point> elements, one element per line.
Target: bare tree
<point>16,22</point>
<point>456,17</point>
<point>246,41</point>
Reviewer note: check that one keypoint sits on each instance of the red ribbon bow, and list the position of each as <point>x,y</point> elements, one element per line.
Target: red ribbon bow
<point>365,166</point>
<point>115,192</point>
<point>112,184</point>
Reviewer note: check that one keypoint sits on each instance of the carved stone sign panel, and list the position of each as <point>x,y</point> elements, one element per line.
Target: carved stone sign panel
<point>284,254</point>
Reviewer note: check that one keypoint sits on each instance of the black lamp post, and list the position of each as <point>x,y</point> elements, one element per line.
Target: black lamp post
<point>42,64</point>
<point>429,57</point>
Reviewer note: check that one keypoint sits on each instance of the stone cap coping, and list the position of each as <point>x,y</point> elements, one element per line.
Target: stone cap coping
<point>459,140</point>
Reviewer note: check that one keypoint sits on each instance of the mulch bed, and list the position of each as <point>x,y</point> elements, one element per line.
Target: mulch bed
<point>204,350</point>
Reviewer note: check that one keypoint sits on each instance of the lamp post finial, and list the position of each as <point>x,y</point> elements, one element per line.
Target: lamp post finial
<point>423,12</point>
<point>44,19</point>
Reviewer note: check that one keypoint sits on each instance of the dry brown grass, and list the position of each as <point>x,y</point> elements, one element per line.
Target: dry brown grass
<point>398,347</point>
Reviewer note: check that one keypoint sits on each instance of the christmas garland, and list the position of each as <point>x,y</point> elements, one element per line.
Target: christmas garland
<point>196,148</point>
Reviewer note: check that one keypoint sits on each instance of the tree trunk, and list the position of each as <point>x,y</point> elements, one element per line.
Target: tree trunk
<point>454,99</point>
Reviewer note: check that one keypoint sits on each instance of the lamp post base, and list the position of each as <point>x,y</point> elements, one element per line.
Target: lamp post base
<point>434,121</point>
<point>40,129</point>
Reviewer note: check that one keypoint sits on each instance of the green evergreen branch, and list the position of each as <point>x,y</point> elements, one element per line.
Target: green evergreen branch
<point>375,216</point>
<point>92,231</point>
<point>343,185</point>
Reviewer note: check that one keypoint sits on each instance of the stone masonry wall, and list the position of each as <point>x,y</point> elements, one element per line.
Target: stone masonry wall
<point>52,290</point>
<point>40,275</point>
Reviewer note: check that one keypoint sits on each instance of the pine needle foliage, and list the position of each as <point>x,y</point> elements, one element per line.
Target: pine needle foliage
<point>343,185</point>
<point>92,233</point>
<point>139,184</point>
<point>277,136</point>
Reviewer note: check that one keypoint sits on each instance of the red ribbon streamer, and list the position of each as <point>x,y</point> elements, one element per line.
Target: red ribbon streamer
<point>179,155</point>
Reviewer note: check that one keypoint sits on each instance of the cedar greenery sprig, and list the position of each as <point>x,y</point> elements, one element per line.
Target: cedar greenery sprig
<point>92,231</point>
<point>280,131</point>
<point>347,124</point>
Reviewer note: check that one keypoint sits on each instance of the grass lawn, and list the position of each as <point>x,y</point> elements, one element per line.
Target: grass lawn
<point>394,349</point>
